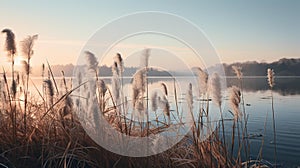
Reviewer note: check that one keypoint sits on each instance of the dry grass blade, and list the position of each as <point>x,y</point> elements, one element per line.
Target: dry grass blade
<point>49,68</point>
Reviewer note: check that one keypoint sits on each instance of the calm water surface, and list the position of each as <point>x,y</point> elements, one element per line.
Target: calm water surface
<point>286,95</point>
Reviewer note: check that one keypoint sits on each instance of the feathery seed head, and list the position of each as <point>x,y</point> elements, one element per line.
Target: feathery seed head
<point>92,62</point>
<point>103,87</point>
<point>10,41</point>
<point>271,77</point>
<point>118,59</point>
<point>49,87</point>
<point>202,81</point>
<point>164,87</point>
<point>238,71</point>
<point>235,99</point>
<point>27,46</point>
<point>139,80</point>
<point>215,85</point>
<point>49,90</point>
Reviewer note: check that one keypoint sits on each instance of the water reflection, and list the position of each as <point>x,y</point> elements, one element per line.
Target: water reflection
<point>283,85</point>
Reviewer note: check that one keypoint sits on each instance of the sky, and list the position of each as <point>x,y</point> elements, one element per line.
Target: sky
<point>256,30</point>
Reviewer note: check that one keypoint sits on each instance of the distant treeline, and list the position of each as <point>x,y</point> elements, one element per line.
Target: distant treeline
<point>282,67</point>
<point>103,71</point>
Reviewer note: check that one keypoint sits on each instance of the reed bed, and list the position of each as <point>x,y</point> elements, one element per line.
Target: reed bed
<point>45,130</point>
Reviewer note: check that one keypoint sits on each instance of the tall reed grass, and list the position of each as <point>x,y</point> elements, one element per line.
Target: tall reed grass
<point>46,132</point>
<point>271,81</point>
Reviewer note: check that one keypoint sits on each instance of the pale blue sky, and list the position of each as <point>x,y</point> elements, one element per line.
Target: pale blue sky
<point>239,30</point>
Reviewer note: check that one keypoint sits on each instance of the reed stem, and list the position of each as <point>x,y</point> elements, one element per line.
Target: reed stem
<point>274,129</point>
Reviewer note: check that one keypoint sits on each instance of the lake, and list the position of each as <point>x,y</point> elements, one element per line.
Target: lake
<point>287,115</point>
<point>256,92</point>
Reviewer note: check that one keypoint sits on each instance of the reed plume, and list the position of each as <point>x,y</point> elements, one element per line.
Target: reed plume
<point>120,64</point>
<point>164,88</point>
<point>235,99</point>
<point>103,87</point>
<point>68,107</point>
<point>202,86</point>
<point>92,62</point>
<point>27,51</point>
<point>189,100</point>
<point>216,89</point>
<point>202,81</point>
<point>238,71</point>
<point>159,100</point>
<point>49,91</point>
<point>11,50</point>
<point>91,103</point>
<point>271,81</point>
<point>119,80</point>
<point>92,65</point>
<point>116,86</point>
<point>27,46</point>
<point>195,130</point>
<point>138,85</point>
<point>10,42</point>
